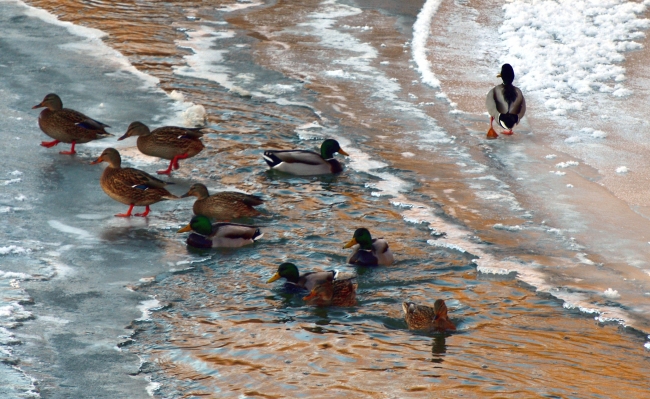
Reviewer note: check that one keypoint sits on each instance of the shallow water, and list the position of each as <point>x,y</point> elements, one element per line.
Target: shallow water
<point>483,225</point>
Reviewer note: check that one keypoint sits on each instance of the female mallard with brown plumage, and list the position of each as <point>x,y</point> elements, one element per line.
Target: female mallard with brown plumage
<point>334,292</point>
<point>225,205</point>
<point>369,251</point>
<point>130,186</point>
<point>421,317</point>
<point>220,235</point>
<point>301,282</point>
<point>306,163</point>
<point>66,125</point>
<point>167,142</point>
<point>505,103</point>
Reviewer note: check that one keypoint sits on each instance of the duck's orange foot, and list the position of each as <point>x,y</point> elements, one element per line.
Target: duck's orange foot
<point>145,213</point>
<point>71,152</point>
<point>127,214</point>
<point>49,144</point>
<point>507,132</point>
<point>492,134</point>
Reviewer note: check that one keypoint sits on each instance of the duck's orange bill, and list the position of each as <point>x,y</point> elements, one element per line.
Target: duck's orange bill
<point>275,277</point>
<point>311,295</point>
<point>38,106</point>
<point>185,229</point>
<point>96,161</point>
<point>499,75</point>
<point>343,152</point>
<point>352,242</point>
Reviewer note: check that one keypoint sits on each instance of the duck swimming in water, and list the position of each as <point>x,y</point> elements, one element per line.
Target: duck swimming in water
<point>220,235</point>
<point>306,163</point>
<point>505,103</point>
<point>421,317</point>
<point>368,251</point>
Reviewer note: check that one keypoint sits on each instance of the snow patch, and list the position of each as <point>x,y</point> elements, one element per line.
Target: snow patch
<point>563,50</point>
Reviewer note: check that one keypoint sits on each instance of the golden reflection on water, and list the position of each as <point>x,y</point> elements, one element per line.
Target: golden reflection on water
<point>229,334</point>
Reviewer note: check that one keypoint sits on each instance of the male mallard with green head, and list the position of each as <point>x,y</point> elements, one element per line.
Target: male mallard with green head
<point>505,103</point>
<point>66,125</point>
<point>219,235</point>
<point>167,142</point>
<point>306,163</point>
<point>334,292</point>
<point>369,251</point>
<point>421,317</point>
<point>225,205</point>
<point>130,186</point>
<point>299,282</point>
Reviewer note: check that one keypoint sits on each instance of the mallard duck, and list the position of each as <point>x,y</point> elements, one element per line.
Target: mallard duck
<point>167,142</point>
<point>299,282</point>
<point>67,125</point>
<point>130,186</point>
<point>334,292</point>
<point>225,205</point>
<point>306,163</point>
<point>420,317</point>
<point>369,251</point>
<point>505,103</point>
<point>219,235</point>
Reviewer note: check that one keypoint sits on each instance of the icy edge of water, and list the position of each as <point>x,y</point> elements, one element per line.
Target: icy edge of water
<point>421,30</point>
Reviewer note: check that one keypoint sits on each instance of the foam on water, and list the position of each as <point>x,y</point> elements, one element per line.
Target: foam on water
<point>207,62</point>
<point>421,33</point>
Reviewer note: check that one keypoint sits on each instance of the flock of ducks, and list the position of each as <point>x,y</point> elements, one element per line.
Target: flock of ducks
<point>134,187</point>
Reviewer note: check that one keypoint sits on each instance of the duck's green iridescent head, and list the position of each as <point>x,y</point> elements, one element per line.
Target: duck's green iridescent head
<point>329,147</point>
<point>136,129</point>
<point>362,237</point>
<point>288,271</point>
<point>200,224</point>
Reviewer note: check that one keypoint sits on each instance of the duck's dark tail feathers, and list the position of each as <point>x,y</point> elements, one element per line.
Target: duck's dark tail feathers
<point>258,234</point>
<point>508,121</point>
<point>271,159</point>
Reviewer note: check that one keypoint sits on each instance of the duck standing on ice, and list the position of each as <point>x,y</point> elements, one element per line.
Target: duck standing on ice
<point>66,125</point>
<point>505,103</point>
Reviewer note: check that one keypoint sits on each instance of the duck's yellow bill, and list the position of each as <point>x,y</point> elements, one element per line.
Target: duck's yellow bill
<point>98,160</point>
<point>275,277</point>
<point>499,75</point>
<point>343,152</point>
<point>185,229</point>
<point>352,242</point>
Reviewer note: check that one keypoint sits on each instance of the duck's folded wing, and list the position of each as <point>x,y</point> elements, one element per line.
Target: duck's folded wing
<point>234,231</point>
<point>295,156</point>
<point>140,179</point>
<point>519,106</point>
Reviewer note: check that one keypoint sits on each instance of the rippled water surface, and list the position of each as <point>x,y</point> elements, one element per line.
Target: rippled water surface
<point>464,217</point>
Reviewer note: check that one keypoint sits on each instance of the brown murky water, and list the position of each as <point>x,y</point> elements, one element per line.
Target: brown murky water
<point>222,332</point>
